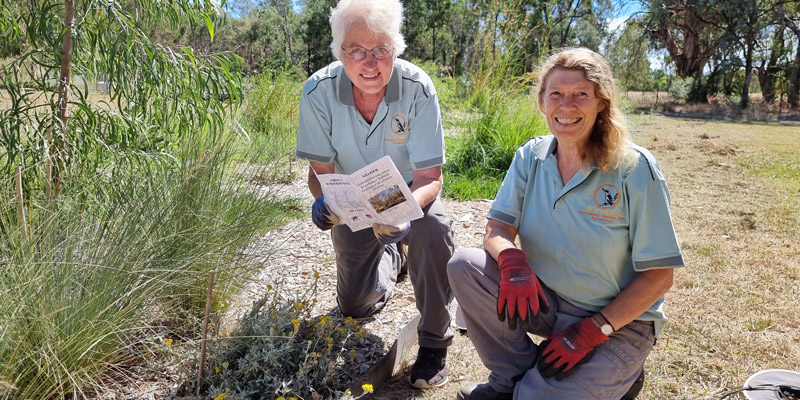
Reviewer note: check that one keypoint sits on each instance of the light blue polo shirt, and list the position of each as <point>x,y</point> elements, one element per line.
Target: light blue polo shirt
<point>407,126</point>
<point>587,239</point>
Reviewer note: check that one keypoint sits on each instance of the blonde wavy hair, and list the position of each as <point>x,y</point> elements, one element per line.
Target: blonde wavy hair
<point>609,144</point>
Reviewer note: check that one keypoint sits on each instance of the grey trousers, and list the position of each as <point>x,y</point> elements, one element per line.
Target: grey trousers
<point>367,272</point>
<point>511,355</point>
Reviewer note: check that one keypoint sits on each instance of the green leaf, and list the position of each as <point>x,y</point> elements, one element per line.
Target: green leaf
<point>209,24</point>
<point>188,51</point>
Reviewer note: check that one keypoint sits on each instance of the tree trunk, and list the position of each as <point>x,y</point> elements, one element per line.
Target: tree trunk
<point>793,90</point>
<point>766,81</point>
<point>57,144</point>
<point>433,44</point>
<point>288,39</point>
<point>698,93</point>
<point>767,73</point>
<point>748,71</point>
<point>689,55</point>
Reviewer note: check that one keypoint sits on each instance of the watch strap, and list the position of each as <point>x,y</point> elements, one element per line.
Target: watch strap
<point>604,321</point>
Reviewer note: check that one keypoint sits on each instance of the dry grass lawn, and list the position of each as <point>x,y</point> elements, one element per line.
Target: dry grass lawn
<point>734,309</point>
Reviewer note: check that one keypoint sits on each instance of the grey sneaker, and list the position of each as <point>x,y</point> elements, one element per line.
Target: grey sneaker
<point>430,369</point>
<point>481,391</point>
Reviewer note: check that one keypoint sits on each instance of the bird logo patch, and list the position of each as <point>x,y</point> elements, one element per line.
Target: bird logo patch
<point>399,124</point>
<point>399,127</point>
<point>606,196</point>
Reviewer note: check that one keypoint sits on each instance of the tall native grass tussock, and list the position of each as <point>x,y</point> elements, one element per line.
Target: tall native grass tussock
<point>116,251</point>
<point>503,115</point>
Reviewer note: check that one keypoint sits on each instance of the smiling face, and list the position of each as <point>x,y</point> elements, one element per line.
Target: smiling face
<point>369,76</point>
<point>570,106</point>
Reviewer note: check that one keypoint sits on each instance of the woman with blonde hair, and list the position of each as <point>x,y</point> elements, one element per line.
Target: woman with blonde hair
<point>597,249</point>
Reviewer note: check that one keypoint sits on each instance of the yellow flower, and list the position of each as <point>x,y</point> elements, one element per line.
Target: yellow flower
<point>296,323</point>
<point>281,398</point>
<point>217,370</point>
<point>225,364</point>
<point>221,396</point>
<point>367,387</point>
<point>168,342</point>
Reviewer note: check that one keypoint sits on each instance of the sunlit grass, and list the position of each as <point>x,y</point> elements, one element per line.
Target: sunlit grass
<point>501,117</point>
<point>116,252</point>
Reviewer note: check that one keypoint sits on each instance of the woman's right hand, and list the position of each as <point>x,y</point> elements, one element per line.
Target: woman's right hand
<point>323,217</point>
<point>521,296</point>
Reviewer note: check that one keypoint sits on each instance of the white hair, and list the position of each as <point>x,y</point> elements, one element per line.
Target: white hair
<point>382,17</point>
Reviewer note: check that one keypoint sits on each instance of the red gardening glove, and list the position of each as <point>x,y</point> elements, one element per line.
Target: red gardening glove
<point>521,296</point>
<point>569,348</point>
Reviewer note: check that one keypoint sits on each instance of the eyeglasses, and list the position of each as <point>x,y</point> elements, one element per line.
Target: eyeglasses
<point>357,53</point>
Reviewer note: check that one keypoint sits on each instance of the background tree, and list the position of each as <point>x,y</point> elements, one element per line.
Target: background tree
<point>791,17</point>
<point>627,52</point>
<point>746,20</point>
<point>317,33</point>
<point>767,72</point>
<point>158,93</point>
<point>426,29</point>
<point>689,31</point>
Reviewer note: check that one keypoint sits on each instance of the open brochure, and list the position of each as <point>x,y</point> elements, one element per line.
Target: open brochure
<point>376,193</point>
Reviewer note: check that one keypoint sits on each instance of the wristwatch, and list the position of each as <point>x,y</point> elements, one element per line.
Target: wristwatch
<point>604,325</point>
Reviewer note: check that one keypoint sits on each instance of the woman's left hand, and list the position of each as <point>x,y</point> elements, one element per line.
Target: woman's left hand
<point>569,348</point>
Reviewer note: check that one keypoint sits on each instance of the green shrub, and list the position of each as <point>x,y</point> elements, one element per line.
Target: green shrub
<point>479,159</point>
<point>280,350</point>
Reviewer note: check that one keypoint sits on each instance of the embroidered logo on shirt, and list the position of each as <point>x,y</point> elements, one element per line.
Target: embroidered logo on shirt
<point>399,126</point>
<point>606,196</point>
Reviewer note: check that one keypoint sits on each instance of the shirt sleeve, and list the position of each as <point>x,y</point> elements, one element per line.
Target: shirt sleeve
<point>507,205</point>
<point>426,138</point>
<point>652,234</point>
<point>314,126</point>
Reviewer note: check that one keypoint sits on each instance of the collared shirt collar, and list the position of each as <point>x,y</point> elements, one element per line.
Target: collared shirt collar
<point>393,88</point>
<point>547,148</point>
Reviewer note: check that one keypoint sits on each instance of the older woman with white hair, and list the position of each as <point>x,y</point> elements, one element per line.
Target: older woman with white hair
<point>362,107</point>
